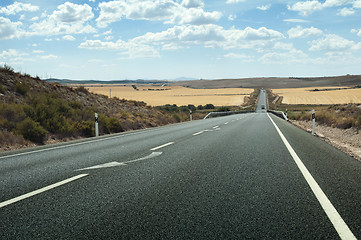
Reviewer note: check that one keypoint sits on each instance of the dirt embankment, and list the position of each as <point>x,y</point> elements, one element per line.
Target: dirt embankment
<point>347,140</point>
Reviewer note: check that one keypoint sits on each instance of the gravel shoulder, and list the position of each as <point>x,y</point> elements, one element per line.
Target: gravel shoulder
<point>347,140</point>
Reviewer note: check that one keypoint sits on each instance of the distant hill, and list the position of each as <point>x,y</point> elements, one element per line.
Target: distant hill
<point>88,82</point>
<point>273,82</point>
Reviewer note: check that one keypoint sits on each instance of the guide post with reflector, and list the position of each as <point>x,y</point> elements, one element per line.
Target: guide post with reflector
<point>313,122</point>
<point>96,125</point>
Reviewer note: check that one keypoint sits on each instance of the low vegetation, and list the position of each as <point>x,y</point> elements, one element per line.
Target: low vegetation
<point>35,112</point>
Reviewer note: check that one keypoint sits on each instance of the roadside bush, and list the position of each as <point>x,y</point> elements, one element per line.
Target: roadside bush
<point>82,89</point>
<point>31,130</point>
<point>209,106</point>
<point>223,109</point>
<point>21,88</point>
<point>177,117</point>
<point>2,89</point>
<point>84,128</point>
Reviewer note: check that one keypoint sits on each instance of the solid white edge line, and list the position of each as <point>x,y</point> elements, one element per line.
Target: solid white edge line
<point>161,146</point>
<point>41,190</point>
<point>339,224</point>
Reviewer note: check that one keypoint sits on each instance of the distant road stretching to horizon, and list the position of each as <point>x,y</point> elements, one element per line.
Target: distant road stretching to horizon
<point>246,176</point>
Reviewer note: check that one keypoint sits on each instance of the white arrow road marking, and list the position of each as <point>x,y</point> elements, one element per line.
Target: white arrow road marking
<point>30,194</point>
<point>152,155</point>
<point>105,165</point>
<point>116,164</point>
<point>339,224</point>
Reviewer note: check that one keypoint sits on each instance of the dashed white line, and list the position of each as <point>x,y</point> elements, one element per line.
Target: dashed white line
<point>195,134</point>
<point>226,123</point>
<point>41,190</point>
<point>339,224</point>
<point>216,127</point>
<point>161,146</point>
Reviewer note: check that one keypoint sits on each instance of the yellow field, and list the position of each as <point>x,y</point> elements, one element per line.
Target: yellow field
<point>304,96</point>
<point>159,96</point>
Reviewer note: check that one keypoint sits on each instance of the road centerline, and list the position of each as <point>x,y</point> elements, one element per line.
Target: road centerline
<point>41,190</point>
<point>161,146</point>
<point>339,224</point>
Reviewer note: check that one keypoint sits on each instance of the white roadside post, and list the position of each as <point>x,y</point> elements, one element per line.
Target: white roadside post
<point>313,122</point>
<point>190,113</point>
<point>96,125</point>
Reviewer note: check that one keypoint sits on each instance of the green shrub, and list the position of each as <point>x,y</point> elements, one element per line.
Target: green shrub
<point>21,88</point>
<point>84,128</point>
<point>177,117</point>
<point>2,89</point>
<point>8,68</point>
<point>31,130</point>
<point>113,125</point>
<point>82,89</point>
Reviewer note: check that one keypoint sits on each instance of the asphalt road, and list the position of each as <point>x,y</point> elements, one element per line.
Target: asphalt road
<point>247,176</point>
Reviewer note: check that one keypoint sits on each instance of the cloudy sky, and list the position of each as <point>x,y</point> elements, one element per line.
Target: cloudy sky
<point>167,39</point>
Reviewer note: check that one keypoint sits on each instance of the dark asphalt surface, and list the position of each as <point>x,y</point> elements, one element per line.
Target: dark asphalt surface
<point>234,181</point>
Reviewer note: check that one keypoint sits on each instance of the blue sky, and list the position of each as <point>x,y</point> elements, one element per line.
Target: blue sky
<point>167,39</point>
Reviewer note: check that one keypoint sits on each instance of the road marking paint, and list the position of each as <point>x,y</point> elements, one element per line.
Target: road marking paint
<point>152,155</point>
<point>105,165</point>
<point>41,190</point>
<point>216,127</point>
<point>195,134</point>
<point>226,123</point>
<point>116,164</point>
<point>339,224</point>
<point>161,146</point>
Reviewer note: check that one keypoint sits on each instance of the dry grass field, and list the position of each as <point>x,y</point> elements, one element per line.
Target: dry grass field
<point>305,96</point>
<point>158,96</point>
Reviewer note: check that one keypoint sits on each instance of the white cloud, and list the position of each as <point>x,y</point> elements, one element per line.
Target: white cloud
<point>158,10</point>
<point>8,29</point>
<point>295,20</point>
<point>264,7</point>
<point>307,7</point>
<point>232,17</point>
<point>299,32</point>
<point>68,38</point>
<point>11,53</point>
<point>68,19</point>
<point>357,4</point>
<point>234,1</point>
<point>336,3</point>
<point>192,3</point>
<point>357,31</point>
<point>17,7</point>
<point>38,51</point>
<point>290,57</point>
<point>195,16</point>
<point>49,57</point>
<point>346,12</point>
<point>190,35</point>
<point>243,57</point>
<point>333,43</point>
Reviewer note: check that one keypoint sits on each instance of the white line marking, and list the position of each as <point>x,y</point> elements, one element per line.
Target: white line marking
<point>216,127</point>
<point>41,190</point>
<point>195,134</point>
<point>339,224</point>
<point>161,146</point>
<point>152,155</point>
<point>116,164</point>
<point>226,123</point>
<point>105,165</point>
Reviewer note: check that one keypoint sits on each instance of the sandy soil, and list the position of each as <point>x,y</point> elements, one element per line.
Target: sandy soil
<point>347,140</point>
<point>305,96</point>
<point>159,96</point>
